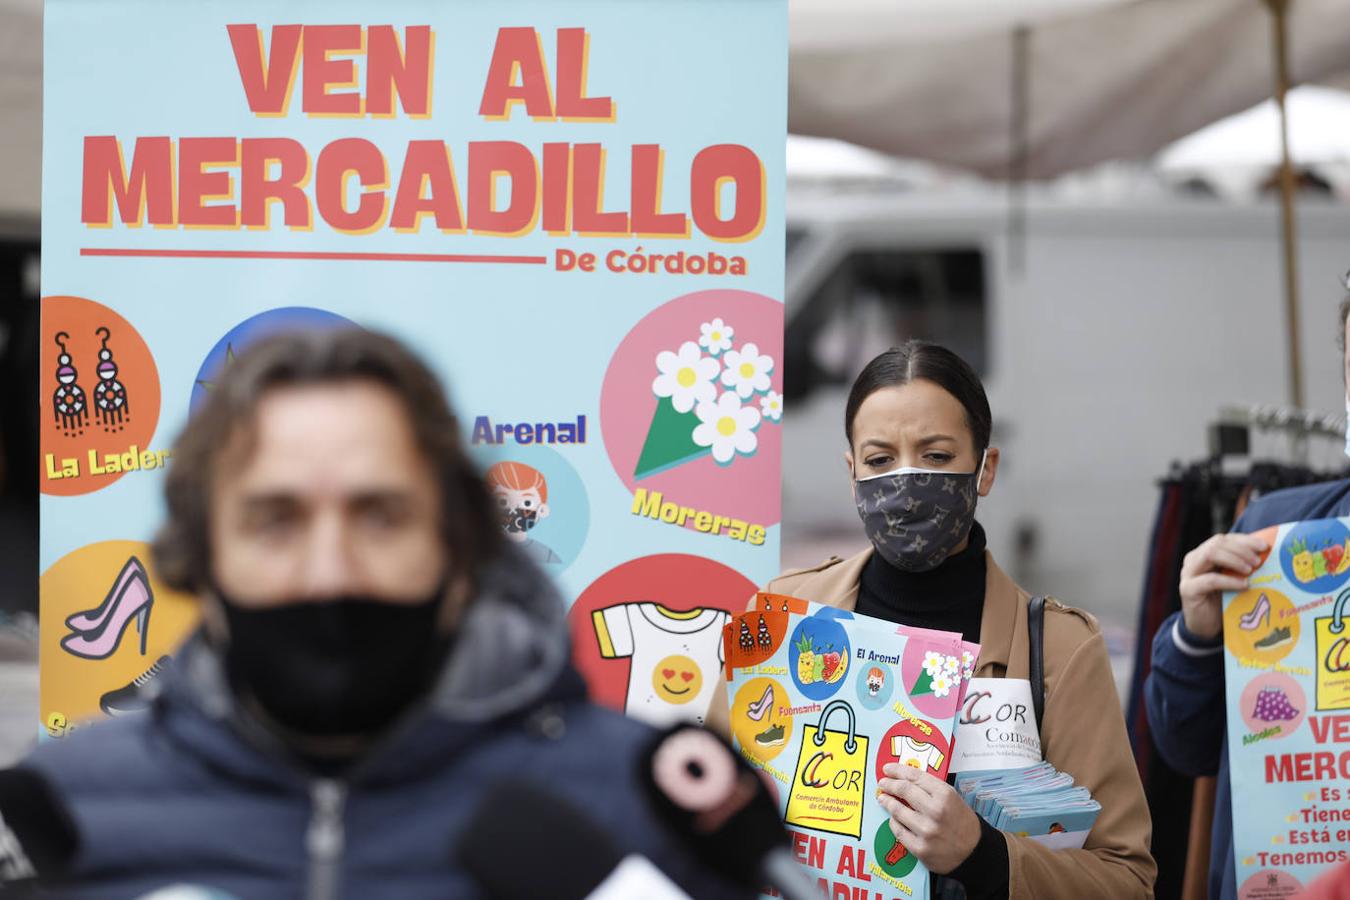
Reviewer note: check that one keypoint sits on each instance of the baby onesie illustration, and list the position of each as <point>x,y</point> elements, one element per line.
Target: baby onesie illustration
<point>669,651</point>
<point>916,753</point>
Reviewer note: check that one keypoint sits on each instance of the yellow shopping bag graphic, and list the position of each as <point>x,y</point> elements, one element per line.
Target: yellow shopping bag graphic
<point>1333,657</point>
<point>827,792</point>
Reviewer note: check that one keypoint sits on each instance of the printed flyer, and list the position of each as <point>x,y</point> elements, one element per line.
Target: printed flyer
<point>573,212</point>
<point>1287,666</point>
<point>821,700</point>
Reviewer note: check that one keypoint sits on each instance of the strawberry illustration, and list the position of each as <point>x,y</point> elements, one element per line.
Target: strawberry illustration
<point>1333,555</point>
<point>831,664</point>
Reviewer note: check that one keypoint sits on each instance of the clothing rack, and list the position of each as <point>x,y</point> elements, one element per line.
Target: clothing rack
<point>1230,433</point>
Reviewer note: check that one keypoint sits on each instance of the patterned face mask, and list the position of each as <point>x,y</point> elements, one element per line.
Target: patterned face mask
<point>916,517</point>
<point>518,519</point>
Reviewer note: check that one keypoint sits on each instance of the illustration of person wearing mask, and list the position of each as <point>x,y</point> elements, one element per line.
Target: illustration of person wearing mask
<point>521,493</point>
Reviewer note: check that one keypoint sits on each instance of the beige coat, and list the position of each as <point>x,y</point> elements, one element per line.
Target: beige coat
<point>1083,732</point>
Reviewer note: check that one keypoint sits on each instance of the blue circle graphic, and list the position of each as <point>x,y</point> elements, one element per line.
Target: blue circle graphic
<point>557,540</point>
<point>819,656</point>
<point>1315,556</point>
<point>876,684</point>
<point>253,329</point>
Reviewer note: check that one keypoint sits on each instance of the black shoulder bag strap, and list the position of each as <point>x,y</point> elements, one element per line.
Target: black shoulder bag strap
<point>1036,640</point>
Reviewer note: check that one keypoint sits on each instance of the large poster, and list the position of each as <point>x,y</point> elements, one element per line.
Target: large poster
<point>573,211</point>
<point>1287,671</point>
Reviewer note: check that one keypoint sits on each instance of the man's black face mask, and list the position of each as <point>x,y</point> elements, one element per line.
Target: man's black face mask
<point>342,667</point>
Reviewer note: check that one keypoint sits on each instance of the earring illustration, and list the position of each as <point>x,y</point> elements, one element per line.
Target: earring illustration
<point>69,402</point>
<point>763,637</point>
<point>110,397</point>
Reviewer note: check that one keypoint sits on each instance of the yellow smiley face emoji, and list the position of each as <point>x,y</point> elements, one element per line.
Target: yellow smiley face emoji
<point>677,679</point>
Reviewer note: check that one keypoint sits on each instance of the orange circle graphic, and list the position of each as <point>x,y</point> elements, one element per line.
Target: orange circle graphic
<point>100,398</point>
<point>106,621</point>
<point>1261,625</point>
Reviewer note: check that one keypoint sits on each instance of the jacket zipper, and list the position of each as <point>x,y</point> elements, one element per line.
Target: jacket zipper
<point>323,840</point>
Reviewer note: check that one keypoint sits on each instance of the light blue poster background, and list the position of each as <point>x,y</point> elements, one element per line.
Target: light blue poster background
<point>516,343</point>
<point>1287,684</point>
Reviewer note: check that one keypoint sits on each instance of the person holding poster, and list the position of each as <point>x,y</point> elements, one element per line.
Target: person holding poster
<point>918,425</point>
<point>377,666</point>
<point>1184,693</point>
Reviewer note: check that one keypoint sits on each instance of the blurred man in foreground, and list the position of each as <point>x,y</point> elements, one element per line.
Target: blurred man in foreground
<point>373,658</point>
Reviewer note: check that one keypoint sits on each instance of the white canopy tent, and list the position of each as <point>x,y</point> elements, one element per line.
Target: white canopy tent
<point>1106,79</point>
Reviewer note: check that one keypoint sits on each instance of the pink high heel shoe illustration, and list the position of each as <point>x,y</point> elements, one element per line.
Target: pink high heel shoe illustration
<point>131,599</point>
<point>92,618</point>
<point>1257,615</point>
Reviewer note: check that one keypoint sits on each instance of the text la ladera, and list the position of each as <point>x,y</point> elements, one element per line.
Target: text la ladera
<point>227,182</point>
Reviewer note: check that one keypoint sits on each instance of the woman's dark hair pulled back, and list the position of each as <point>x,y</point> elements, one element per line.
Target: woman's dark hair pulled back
<point>930,362</point>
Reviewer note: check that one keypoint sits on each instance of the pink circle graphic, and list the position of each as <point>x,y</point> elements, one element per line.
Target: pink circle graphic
<point>934,699</point>
<point>1273,701</point>
<point>643,432</point>
<point>1269,884</point>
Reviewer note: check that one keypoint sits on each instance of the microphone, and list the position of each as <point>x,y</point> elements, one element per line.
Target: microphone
<point>718,806</point>
<point>523,843</point>
<point>37,834</point>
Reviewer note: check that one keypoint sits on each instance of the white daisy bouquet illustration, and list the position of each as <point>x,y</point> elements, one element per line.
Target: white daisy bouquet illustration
<point>941,673</point>
<point>710,399</point>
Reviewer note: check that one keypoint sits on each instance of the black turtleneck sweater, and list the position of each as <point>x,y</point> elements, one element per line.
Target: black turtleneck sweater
<point>948,598</point>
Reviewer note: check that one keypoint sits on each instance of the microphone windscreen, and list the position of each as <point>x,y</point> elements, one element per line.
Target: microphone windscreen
<point>714,802</point>
<point>523,842</point>
<point>38,838</point>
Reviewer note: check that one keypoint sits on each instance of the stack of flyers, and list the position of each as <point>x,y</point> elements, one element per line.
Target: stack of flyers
<point>1038,802</point>
<point>821,701</point>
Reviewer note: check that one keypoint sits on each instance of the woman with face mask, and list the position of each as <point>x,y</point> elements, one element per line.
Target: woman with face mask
<point>918,423</point>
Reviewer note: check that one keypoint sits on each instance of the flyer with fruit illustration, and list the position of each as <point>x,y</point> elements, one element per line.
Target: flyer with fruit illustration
<point>821,700</point>
<point>1287,665</point>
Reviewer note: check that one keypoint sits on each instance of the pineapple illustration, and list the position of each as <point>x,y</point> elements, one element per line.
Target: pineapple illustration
<point>1304,567</point>
<point>806,661</point>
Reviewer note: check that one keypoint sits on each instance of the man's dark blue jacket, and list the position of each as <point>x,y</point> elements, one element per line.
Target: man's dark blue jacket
<point>196,793</point>
<point>1184,692</point>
